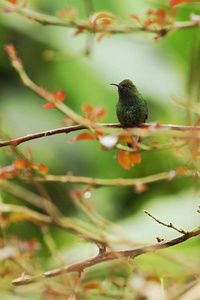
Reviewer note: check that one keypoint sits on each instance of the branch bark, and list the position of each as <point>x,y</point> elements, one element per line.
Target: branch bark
<point>18,141</point>
<point>44,19</point>
<point>114,182</point>
<point>108,256</point>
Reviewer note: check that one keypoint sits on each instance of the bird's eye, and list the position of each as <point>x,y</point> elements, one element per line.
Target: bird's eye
<point>129,86</point>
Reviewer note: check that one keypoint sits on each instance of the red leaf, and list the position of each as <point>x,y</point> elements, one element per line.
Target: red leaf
<point>87,108</point>
<point>13,1</point>
<point>100,112</point>
<point>82,136</point>
<point>99,133</point>
<point>49,105</point>
<point>161,12</point>
<point>127,159</point>
<point>106,22</point>
<point>59,95</point>
<point>173,3</point>
<point>94,113</point>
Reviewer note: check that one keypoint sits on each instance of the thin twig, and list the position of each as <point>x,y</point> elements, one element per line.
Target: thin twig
<point>71,224</point>
<point>170,225</point>
<point>107,256</point>
<point>113,182</point>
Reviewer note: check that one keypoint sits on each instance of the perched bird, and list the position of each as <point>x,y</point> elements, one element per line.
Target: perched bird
<point>131,108</point>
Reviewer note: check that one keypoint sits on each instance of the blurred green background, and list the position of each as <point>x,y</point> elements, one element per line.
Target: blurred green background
<point>161,71</point>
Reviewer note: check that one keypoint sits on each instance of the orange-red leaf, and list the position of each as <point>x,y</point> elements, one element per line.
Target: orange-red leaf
<point>124,159</point>
<point>161,12</point>
<point>135,158</point>
<point>181,170</point>
<point>94,113</point>
<point>99,133</point>
<point>59,95</point>
<point>13,1</point>
<point>49,105</point>
<point>20,163</point>
<point>127,159</point>
<point>100,112</point>
<point>42,169</point>
<point>82,136</point>
<point>173,3</point>
<point>87,108</point>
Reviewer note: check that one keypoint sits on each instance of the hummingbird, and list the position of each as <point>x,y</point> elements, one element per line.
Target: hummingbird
<point>131,108</point>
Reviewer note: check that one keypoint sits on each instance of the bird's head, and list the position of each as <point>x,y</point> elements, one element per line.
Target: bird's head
<point>126,87</point>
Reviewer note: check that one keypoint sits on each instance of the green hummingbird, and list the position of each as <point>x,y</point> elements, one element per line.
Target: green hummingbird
<point>131,108</point>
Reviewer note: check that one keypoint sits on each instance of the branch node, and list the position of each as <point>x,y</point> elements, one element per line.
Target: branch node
<point>160,239</point>
<point>102,247</point>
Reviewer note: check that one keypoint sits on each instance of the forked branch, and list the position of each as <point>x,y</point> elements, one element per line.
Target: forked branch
<point>108,256</point>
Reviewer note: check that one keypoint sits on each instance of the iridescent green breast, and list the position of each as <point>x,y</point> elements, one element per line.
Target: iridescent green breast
<point>134,114</point>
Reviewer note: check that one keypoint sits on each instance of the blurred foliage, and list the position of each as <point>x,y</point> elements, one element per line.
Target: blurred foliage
<point>162,70</point>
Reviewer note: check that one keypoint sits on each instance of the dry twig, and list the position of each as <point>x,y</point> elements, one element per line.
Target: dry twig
<point>107,256</point>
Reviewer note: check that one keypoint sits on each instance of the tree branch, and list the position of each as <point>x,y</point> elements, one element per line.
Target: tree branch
<point>99,126</point>
<point>108,256</point>
<point>44,19</point>
<point>68,224</point>
<point>114,182</point>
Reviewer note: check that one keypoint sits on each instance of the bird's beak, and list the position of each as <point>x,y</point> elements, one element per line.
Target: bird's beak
<point>114,84</point>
